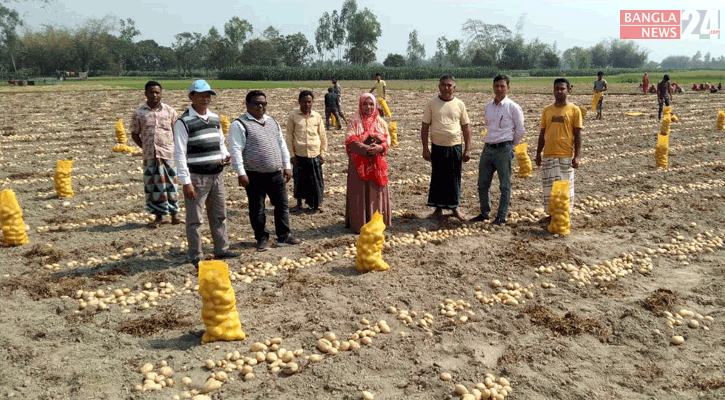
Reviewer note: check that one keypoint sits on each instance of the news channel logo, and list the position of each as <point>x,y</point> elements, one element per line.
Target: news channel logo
<point>669,24</point>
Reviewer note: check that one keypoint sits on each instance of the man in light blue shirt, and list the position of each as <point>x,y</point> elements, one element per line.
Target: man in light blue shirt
<point>505,124</point>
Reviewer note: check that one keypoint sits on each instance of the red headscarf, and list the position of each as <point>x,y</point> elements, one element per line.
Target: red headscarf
<point>362,126</point>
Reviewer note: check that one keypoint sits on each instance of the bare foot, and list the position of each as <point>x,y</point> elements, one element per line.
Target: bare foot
<point>175,220</point>
<point>156,222</point>
<point>460,215</point>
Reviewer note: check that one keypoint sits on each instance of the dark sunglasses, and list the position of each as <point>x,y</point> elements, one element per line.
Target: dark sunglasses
<point>260,103</point>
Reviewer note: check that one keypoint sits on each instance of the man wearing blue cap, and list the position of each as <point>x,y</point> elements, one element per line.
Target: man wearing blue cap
<point>200,156</point>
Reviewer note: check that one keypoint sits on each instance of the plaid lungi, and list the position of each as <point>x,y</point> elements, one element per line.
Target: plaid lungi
<point>162,196</point>
<point>557,169</point>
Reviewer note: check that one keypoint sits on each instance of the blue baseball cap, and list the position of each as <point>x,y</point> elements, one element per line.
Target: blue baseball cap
<point>201,86</point>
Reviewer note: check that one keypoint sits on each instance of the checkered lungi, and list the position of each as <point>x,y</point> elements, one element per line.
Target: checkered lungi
<point>557,169</point>
<point>162,196</point>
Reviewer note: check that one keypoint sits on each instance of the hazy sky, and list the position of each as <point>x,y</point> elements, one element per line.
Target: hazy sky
<point>569,23</point>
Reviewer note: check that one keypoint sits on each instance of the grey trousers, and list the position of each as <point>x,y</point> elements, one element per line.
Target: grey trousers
<point>495,160</point>
<point>210,193</point>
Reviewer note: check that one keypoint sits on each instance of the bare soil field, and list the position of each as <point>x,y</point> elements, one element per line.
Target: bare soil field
<point>590,315</point>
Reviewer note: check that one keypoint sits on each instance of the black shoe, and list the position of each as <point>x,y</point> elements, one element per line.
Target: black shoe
<point>226,254</point>
<point>288,241</point>
<point>195,262</point>
<point>479,218</point>
<point>263,244</point>
<point>498,221</point>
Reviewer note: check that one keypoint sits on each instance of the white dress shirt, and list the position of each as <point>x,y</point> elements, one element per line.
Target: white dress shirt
<point>504,121</point>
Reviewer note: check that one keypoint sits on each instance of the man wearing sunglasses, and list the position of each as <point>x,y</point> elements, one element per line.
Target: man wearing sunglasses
<point>505,124</point>
<point>262,161</point>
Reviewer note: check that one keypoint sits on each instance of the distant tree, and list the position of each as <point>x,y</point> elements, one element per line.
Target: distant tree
<point>189,51</point>
<point>600,54</point>
<point>486,38</point>
<point>124,45</point>
<point>91,43</point>
<point>48,50</point>
<point>448,52</point>
<point>577,58</point>
<point>323,35</point>
<point>236,31</point>
<point>514,55</point>
<point>9,41</point>
<point>416,50</point>
<point>363,32</point>
<point>145,56</point>
<point>219,50</point>
<point>675,62</point>
<point>339,33</point>
<point>652,64</point>
<point>394,60</point>
<point>260,52</point>
<point>707,58</point>
<point>626,54</point>
<point>483,58</point>
<point>295,50</point>
<point>271,33</point>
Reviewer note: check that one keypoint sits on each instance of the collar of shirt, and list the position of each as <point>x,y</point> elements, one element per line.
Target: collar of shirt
<point>159,108</point>
<point>193,113</point>
<point>499,121</point>
<point>250,117</point>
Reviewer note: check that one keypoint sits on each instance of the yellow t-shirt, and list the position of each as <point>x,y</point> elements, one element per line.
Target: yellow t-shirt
<point>379,88</point>
<point>559,124</point>
<point>445,119</point>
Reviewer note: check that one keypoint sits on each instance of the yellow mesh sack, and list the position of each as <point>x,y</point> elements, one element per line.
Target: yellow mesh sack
<point>393,133</point>
<point>584,111</point>
<point>666,122</point>
<point>370,246</point>
<point>124,148</point>
<point>334,122</point>
<point>721,120</point>
<point>384,104</point>
<point>120,132</point>
<point>522,156</point>
<point>595,100</point>
<point>62,179</point>
<point>559,208</point>
<point>225,124</point>
<point>11,219</point>
<point>484,132</point>
<point>219,304</point>
<point>663,147</point>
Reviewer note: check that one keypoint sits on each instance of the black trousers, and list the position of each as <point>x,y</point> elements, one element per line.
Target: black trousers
<point>260,186</point>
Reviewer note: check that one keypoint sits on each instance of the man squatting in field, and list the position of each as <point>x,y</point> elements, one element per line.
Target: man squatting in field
<point>307,144</point>
<point>152,129</point>
<point>200,156</point>
<point>262,162</point>
<point>505,124</point>
<point>600,85</point>
<point>560,139</point>
<point>446,119</point>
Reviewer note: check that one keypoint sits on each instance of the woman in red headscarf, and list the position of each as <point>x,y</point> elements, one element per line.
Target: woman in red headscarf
<point>645,83</point>
<point>367,173</point>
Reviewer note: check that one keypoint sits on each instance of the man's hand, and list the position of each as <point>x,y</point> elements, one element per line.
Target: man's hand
<point>226,161</point>
<point>466,155</point>
<point>537,160</point>
<point>426,154</point>
<point>293,160</point>
<point>189,192</point>
<point>243,180</point>
<point>575,162</point>
<point>322,160</point>
<point>287,175</point>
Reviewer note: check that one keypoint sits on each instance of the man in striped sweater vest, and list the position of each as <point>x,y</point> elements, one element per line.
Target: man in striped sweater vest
<point>200,156</point>
<point>262,161</point>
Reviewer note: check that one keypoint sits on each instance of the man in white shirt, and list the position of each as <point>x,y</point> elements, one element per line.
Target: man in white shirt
<point>262,161</point>
<point>505,124</point>
<point>200,156</point>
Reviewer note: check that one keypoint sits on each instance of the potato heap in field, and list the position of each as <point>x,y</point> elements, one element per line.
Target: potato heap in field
<point>559,208</point>
<point>62,179</point>
<point>225,124</point>
<point>663,145</point>
<point>384,104</point>
<point>370,246</point>
<point>219,304</point>
<point>522,156</point>
<point>393,133</point>
<point>721,120</point>
<point>11,219</point>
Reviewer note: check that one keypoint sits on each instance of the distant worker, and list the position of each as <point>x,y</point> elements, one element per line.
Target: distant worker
<point>332,106</point>
<point>307,143</point>
<point>560,139</point>
<point>380,87</point>
<point>664,91</point>
<point>446,119</point>
<point>600,86</point>
<point>336,87</point>
<point>152,129</point>
<point>645,83</point>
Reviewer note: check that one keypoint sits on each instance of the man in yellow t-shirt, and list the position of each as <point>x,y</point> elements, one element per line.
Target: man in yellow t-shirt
<point>446,119</point>
<point>561,141</point>
<point>380,87</point>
